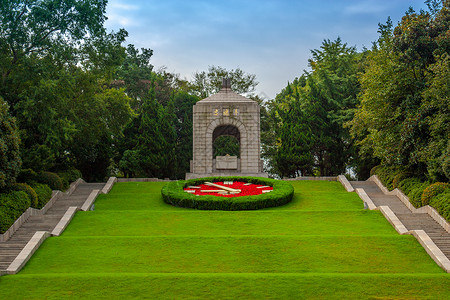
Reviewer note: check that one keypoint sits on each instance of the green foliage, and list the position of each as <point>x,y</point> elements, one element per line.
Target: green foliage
<point>432,191</point>
<point>224,145</point>
<point>44,194</point>
<point>406,185</point>
<point>30,192</point>
<point>388,174</point>
<point>206,83</point>
<point>309,114</point>
<point>399,177</point>
<point>52,180</point>
<point>441,203</point>
<point>415,194</point>
<point>69,176</point>
<point>174,194</point>
<point>27,176</point>
<point>9,147</point>
<point>12,206</point>
<point>404,116</point>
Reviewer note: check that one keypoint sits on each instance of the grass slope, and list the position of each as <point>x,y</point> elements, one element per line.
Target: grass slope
<point>321,245</point>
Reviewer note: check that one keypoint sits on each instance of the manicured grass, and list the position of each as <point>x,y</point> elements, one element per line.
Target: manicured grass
<point>225,286</point>
<point>321,245</point>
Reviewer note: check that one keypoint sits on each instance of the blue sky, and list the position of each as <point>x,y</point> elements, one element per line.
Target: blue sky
<point>269,38</point>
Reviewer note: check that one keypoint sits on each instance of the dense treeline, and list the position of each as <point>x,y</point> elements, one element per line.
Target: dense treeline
<point>387,105</point>
<point>73,98</point>
<point>81,100</point>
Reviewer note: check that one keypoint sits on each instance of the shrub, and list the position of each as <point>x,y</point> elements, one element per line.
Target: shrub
<point>442,204</point>
<point>400,177</point>
<point>27,176</point>
<point>432,191</point>
<point>44,193</point>
<point>415,194</point>
<point>373,171</point>
<point>408,184</point>
<point>174,194</point>
<point>69,176</point>
<point>52,180</point>
<point>30,192</point>
<point>388,173</point>
<point>12,206</point>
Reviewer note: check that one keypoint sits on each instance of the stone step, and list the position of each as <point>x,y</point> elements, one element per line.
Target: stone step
<point>7,258</point>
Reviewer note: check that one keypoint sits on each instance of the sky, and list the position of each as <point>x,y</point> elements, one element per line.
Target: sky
<point>269,38</point>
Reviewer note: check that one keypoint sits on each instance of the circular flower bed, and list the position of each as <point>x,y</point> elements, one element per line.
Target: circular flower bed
<point>228,193</point>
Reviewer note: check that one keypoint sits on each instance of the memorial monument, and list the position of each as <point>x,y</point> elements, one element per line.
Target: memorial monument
<point>226,114</point>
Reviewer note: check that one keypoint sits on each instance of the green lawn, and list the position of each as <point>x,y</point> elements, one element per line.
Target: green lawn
<point>321,245</point>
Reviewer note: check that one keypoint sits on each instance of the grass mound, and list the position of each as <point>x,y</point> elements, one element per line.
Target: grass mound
<point>321,245</point>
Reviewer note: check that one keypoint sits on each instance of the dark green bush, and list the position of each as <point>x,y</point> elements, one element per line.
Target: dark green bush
<point>52,180</point>
<point>27,176</point>
<point>69,176</point>
<point>12,206</point>
<point>44,193</point>
<point>388,173</point>
<point>174,194</point>
<point>406,185</point>
<point>400,177</point>
<point>30,192</point>
<point>432,191</point>
<point>415,194</point>
<point>442,204</point>
<point>374,170</point>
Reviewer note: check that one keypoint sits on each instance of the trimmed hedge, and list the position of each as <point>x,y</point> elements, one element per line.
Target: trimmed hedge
<point>12,206</point>
<point>69,176</point>
<point>29,190</point>
<point>419,191</point>
<point>52,180</point>
<point>27,176</point>
<point>44,193</point>
<point>174,194</point>
<point>432,191</point>
<point>442,204</point>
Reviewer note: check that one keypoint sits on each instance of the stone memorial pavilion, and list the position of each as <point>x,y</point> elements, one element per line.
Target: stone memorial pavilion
<point>226,114</point>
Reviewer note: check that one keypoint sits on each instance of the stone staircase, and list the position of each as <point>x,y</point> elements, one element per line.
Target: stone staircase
<point>47,222</point>
<point>412,221</point>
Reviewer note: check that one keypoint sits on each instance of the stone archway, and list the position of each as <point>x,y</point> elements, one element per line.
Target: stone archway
<point>226,113</point>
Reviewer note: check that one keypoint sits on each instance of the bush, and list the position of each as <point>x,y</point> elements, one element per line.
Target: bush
<point>69,176</point>
<point>442,204</point>
<point>27,176</point>
<point>374,170</point>
<point>432,191</point>
<point>44,193</point>
<point>12,206</point>
<point>174,194</point>
<point>30,192</point>
<point>408,184</point>
<point>400,177</point>
<point>388,173</point>
<point>52,180</point>
<point>415,194</point>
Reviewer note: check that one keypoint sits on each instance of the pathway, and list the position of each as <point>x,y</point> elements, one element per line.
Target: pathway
<point>47,222</point>
<point>412,221</point>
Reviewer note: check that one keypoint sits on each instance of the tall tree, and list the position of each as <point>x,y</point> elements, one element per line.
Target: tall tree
<point>209,82</point>
<point>402,93</point>
<point>9,147</point>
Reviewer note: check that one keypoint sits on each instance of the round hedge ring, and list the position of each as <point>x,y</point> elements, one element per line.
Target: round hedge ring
<point>228,193</point>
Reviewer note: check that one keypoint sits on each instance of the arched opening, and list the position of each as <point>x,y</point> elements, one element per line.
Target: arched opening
<point>226,141</point>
